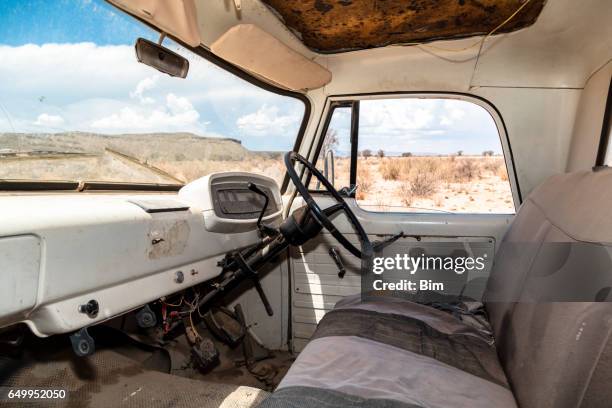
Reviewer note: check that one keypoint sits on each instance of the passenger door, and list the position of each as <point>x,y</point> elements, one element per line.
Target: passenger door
<point>434,168</point>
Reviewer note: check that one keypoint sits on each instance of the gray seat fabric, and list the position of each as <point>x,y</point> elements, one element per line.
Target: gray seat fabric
<point>547,305</point>
<point>552,337</point>
<point>387,349</point>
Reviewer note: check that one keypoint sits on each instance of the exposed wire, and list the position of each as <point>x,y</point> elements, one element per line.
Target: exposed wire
<point>199,312</point>
<point>174,304</point>
<point>195,331</point>
<point>477,43</point>
<point>196,298</point>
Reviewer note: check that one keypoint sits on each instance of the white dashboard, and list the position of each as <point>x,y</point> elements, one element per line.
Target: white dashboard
<point>60,251</point>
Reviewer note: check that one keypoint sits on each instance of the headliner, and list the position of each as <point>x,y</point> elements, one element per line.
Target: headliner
<point>329,26</point>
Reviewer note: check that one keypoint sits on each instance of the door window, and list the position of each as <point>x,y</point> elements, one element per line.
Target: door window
<point>421,155</point>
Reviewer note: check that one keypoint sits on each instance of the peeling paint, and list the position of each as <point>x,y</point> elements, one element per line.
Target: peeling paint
<point>168,238</point>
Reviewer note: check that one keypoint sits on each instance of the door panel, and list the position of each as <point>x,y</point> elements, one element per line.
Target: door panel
<point>316,286</point>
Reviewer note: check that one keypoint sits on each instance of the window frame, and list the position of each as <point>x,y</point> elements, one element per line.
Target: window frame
<point>321,139</point>
<point>354,99</point>
<point>606,128</point>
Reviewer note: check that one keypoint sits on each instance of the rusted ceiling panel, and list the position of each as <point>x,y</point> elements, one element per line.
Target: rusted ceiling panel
<point>340,25</point>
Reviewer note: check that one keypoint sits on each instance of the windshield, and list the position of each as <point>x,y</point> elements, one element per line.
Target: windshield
<point>76,105</point>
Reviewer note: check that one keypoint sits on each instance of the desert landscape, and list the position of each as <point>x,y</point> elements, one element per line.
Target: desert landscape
<point>169,158</point>
<point>454,183</point>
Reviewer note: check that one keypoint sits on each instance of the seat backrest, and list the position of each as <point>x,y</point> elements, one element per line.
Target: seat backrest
<point>548,298</point>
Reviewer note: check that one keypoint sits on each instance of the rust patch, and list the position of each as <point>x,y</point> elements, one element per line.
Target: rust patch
<point>340,25</point>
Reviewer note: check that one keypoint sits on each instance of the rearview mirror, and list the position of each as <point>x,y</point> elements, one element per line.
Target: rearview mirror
<point>161,58</point>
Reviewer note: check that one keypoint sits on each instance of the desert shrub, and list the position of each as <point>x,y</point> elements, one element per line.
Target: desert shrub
<point>496,166</point>
<point>391,169</point>
<point>405,194</point>
<point>380,153</point>
<point>431,164</point>
<point>490,165</point>
<point>423,185</point>
<point>407,154</point>
<point>466,170</point>
<point>366,153</point>
<point>364,178</point>
<point>502,172</point>
<point>364,182</point>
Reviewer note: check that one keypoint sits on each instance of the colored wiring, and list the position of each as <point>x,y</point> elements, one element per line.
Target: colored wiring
<point>193,306</point>
<point>193,326</point>
<point>174,304</point>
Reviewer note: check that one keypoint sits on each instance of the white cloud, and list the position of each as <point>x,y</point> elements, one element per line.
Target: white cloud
<point>426,126</point>
<point>178,114</point>
<point>267,121</point>
<point>453,112</point>
<point>44,119</point>
<point>400,114</point>
<point>104,89</point>
<point>179,105</point>
<point>143,86</point>
<point>83,70</point>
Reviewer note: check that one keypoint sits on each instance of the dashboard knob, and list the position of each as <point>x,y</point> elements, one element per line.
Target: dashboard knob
<point>90,308</point>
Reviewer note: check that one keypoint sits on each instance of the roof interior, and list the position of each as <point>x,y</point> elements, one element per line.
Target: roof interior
<point>329,26</point>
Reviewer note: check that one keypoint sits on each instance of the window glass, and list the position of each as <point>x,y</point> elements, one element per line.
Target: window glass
<point>76,105</point>
<point>336,148</point>
<point>427,155</point>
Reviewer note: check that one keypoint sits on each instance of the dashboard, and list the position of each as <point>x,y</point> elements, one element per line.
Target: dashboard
<point>60,251</point>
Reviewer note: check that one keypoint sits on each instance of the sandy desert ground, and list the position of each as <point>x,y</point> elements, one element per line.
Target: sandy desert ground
<point>475,184</point>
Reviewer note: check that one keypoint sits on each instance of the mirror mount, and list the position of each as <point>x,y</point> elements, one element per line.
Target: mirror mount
<point>161,58</point>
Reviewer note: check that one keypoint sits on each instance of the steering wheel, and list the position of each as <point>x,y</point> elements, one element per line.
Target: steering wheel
<point>321,216</point>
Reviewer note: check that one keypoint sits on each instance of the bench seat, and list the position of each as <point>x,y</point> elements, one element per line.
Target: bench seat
<point>547,303</point>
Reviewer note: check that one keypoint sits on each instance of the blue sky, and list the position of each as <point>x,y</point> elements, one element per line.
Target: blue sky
<point>69,65</point>
<point>66,21</point>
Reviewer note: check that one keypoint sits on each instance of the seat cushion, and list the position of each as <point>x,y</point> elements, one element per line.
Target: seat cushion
<point>377,351</point>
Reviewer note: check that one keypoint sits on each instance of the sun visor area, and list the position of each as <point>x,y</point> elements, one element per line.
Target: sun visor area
<point>261,54</point>
<point>177,17</point>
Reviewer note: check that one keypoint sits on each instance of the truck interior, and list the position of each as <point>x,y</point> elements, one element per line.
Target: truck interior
<point>213,203</point>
